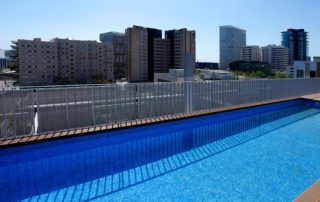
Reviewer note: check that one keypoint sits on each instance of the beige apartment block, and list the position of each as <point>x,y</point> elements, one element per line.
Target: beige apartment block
<point>63,61</point>
<point>137,53</point>
<point>38,62</point>
<point>251,53</point>
<point>80,61</point>
<point>277,56</point>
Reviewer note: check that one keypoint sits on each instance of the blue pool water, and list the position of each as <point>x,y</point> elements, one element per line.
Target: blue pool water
<point>269,153</point>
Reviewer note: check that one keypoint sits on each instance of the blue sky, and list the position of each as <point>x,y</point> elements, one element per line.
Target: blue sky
<point>85,19</point>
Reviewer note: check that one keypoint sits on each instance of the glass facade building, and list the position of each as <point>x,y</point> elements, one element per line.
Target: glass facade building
<point>232,39</point>
<point>296,40</point>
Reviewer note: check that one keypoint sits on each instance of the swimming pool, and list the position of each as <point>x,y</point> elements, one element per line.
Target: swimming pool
<point>266,153</point>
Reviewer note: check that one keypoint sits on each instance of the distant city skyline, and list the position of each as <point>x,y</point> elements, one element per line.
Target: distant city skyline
<point>85,20</point>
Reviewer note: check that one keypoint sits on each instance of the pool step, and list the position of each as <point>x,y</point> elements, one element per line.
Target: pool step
<point>312,194</point>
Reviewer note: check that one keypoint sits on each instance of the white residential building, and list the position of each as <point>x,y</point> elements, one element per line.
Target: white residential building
<point>277,56</point>
<point>304,69</point>
<point>251,53</point>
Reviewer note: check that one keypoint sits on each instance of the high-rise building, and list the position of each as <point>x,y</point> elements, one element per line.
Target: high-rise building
<point>63,61</point>
<point>183,41</point>
<point>117,40</point>
<point>251,53</point>
<point>162,62</point>
<point>232,39</point>
<point>296,40</point>
<point>277,56</point>
<point>140,52</point>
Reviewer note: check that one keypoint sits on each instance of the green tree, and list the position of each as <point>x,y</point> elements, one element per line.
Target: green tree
<point>281,75</point>
<point>62,80</point>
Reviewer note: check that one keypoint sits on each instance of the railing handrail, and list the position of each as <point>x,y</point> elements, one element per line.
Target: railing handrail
<point>141,83</point>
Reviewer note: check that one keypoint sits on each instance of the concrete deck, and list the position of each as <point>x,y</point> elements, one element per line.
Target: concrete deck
<point>312,194</point>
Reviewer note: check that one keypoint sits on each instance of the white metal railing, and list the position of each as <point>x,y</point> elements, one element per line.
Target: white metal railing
<point>33,111</point>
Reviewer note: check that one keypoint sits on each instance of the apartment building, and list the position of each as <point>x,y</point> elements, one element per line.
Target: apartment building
<point>80,61</point>
<point>232,39</point>
<point>117,40</point>
<point>182,41</point>
<point>140,52</point>
<point>277,56</point>
<point>37,61</point>
<point>63,61</point>
<point>251,53</point>
<point>296,40</point>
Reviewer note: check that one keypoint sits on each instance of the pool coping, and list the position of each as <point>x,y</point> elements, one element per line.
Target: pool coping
<point>311,194</point>
<point>84,131</point>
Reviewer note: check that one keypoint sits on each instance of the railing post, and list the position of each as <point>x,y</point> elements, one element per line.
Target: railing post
<point>46,113</point>
<point>188,97</point>
<point>155,98</point>
<point>4,114</point>
<point>33,126</point>
<point>107,114</point>
<point>38,129</point>
<point>92,106</point>
<point>137,100</point>
<point>67,108</point>
<point>22,112</point>
<point>14,113</point>
<point>119,100</point>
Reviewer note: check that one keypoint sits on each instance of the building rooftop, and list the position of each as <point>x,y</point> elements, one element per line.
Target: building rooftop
<point>231,26</point>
